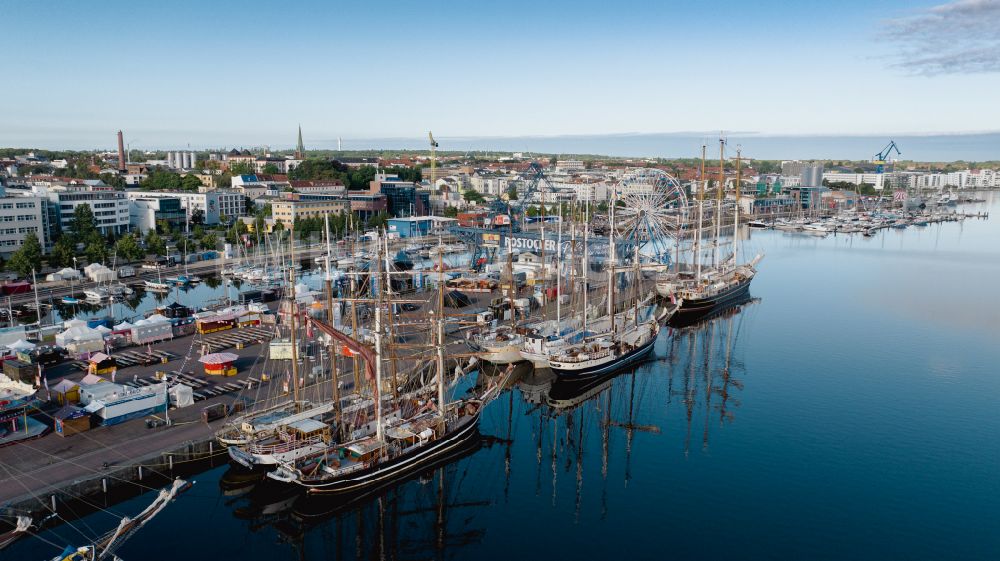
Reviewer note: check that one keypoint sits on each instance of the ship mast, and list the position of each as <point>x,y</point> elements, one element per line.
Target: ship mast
<point>611,262</point>
<point>736,211</point>
<point>559,273</point>
<point>334,376</point>
<point>718,200</point>
<point>378,366</point>
<point>586,262</point>
<point>293,310</point>
<point>440,340</point>
<point>700,185</point>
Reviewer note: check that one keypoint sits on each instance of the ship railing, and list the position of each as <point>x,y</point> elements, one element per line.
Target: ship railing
<point>283,447</point>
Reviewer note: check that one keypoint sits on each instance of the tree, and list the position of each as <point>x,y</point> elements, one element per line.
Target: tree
<point>161,180</point>
<point>241,168</point>
<point>209,242</point>
<point>379,220</point>
<point>270,169</point>
<point>127,248</point>
<point>114,180</point>
<point>512,193</point>
<point>62,253</point>
<point>28,256</point>
<point>190,183</point>
<point>155,244</point>
<point>451,212</point>
<point>96,251</point>
<point>471,196</point>
<point>198,216</point>
<point>83,224</point>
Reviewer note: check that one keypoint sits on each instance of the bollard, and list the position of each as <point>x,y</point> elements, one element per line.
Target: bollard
<point>104,485</point>
<point>170,460</point>
<point>140,473</point>
<point>211,448</point>
<point>53,503</point>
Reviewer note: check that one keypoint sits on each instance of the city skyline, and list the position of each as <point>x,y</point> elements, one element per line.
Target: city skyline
<point>393,71</point>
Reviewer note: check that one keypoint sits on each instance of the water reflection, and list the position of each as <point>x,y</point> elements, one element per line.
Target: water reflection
<point>564,443</point>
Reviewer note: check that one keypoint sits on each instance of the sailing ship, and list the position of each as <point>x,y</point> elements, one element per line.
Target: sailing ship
<point>424,432</point>
<point>629,338</point>
<point>707,289</point>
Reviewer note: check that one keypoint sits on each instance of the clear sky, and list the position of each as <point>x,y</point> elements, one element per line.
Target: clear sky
<point>246,73</point>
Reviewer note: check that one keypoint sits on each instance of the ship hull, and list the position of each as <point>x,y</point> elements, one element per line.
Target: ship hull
<point>398,467</point>
<point>696,308</point>
<point>611,366</point>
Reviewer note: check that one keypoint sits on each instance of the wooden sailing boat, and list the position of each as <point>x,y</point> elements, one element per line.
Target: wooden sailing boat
<point>422,434</point>
<point>628,340</point>
<point>727,281</point>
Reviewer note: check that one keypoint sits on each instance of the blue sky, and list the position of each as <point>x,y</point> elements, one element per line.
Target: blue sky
<point>246,73</point>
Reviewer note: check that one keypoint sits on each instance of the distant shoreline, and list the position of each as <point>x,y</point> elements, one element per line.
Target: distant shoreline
<point>943,148</point>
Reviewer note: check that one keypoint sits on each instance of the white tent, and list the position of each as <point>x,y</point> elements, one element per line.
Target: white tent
<point>123,326</point>
<point>21,345</point>
<point>152,329</point>
<point>155,318</point>
<point>68,273</point>
<point>181,396</point>
<point>79,334</point>
<point>99,273</point>
<point>73,323</point>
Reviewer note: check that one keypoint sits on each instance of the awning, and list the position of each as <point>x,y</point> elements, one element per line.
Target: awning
<point>218,358</point>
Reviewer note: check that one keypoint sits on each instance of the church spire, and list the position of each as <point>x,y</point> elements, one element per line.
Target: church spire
<point>300,149</point>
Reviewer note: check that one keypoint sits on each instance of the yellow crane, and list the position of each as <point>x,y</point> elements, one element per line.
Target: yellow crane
<point>434,146</point>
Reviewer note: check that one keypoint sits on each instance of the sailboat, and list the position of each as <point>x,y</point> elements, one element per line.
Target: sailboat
<point>629,338</point>
<point>729,281</point>
<point>289,429</point>
<point>187,278</point>
<point>158,285</point>
<point>71,299</point>
<point>425,434</point>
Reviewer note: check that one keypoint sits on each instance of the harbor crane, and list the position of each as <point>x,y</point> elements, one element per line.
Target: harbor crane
<point>434,146</point>
<point>882,157</point>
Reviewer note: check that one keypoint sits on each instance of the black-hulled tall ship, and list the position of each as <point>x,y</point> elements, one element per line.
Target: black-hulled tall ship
<point>708,289</point>
<point>426,431</point>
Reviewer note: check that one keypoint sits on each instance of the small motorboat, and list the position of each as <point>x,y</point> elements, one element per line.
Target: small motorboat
<point>156,286</point>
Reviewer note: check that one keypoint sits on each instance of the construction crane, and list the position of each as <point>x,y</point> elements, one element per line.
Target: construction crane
<point>434,146</point>
<point>880,158</point>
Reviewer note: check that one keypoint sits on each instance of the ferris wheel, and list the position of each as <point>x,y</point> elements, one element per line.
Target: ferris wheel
<point>652,210</point>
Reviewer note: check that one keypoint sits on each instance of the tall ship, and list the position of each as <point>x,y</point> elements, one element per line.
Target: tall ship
<point>424,431</point>
<point>631,333</point>
<point>708,288</point>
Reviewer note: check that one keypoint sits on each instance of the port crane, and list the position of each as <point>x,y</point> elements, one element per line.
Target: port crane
<point>882,157</point>
<point>434,146</point>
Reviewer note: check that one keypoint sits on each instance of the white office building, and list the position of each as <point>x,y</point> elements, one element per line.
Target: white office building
<point>213,204</point>
<point>20,216</point>
<point>110,207</point>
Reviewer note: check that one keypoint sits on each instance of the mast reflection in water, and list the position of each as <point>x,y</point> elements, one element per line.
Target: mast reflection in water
<point>568,444</point>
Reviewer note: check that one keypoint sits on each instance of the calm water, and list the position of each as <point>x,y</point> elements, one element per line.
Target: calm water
<point>848,411</point>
